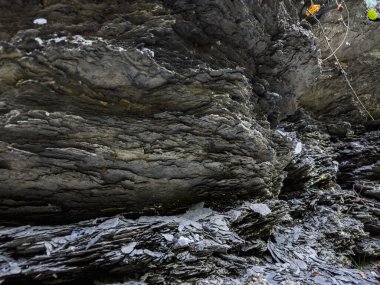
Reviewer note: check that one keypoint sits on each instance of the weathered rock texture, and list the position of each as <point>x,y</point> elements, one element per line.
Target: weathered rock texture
<point>356,42</point>
<point>309,239</point>
<point>145,106</point>
<point>186,247</point>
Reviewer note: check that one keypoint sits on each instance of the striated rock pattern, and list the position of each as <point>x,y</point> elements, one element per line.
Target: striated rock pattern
<point>145,106</point>
<point>198,244</point>
<point>137,110</point>
<point>310,238</point>
<point>355,41</point>
<point>359,157</point>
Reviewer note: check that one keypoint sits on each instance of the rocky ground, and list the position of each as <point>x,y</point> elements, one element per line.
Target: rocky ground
<point>188,142</point>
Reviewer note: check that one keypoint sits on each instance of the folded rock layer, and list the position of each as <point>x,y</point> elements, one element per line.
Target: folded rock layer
<point>145,106</point>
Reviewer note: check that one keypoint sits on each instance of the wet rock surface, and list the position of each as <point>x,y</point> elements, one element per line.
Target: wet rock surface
<point>143,109</point>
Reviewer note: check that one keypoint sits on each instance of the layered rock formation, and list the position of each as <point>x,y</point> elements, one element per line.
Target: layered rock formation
<point>145,108</point>
<point>355,41</point>
<point>312,237</point>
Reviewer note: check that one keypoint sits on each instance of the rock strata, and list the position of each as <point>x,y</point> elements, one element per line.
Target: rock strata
<point>145,107</point>
<point>355,41</point>
<point>161,142</point>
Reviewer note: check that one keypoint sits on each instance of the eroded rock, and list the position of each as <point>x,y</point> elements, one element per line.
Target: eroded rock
<point>152,119</point>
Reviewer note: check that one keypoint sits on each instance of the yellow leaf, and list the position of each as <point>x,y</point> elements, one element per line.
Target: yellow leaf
<point>313,9</point>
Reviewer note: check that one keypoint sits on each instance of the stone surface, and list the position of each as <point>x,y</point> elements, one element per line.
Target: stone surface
<point>356,42</point>
<point>313,237</point>
<point>146,106</point>
<point>179,248</point>
<point>117,116</point>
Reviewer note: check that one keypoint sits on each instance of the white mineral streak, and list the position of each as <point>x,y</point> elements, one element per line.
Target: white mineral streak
<point>40,21</point>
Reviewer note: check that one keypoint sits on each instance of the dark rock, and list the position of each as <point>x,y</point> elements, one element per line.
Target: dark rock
<point>135,124</point>
<point>359,159</point>
<point>353,38</point>
<point>373,125</point>
<point>143,108</point>
<point>199,240</point>
<point>341,129</point>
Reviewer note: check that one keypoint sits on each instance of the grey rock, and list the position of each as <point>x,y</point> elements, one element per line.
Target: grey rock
<point>150,121</point>
<point>141,109</point>
<point>354,42</point>
<point>341,129</point>
<point>120,245</point>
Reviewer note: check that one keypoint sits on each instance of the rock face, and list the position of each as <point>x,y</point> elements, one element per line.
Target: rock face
<point>184,247</point>
<point>117,116</point>
<point>355,40</point>
<point>146,106</point>
<point>310,237</point>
